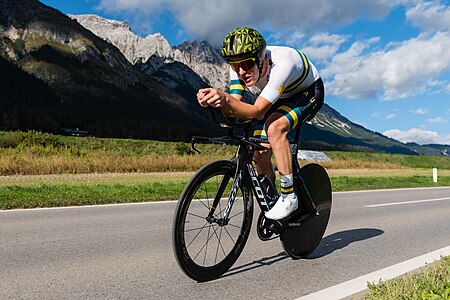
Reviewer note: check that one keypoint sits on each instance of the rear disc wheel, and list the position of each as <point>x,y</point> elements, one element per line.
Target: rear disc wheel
<point>300,238</point>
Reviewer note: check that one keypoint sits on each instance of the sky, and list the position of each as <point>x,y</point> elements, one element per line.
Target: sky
<point>385,63</point>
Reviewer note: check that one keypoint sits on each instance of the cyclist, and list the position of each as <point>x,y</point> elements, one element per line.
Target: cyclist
<point>288,82</point>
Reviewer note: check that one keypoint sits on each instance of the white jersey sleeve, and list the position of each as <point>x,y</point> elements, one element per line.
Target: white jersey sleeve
<point>288,73</point>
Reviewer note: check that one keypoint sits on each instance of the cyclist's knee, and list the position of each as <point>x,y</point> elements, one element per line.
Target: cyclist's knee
<point>277,130</point>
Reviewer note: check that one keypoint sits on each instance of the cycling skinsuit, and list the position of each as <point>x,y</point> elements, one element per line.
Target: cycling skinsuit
<point>291,83</point>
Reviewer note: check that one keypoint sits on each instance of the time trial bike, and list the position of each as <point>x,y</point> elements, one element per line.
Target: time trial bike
<point>214,213</point>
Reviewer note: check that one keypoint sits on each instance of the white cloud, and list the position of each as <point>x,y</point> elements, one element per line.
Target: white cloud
<point>430,16</point>
<point>399,71</point>
<point>420,111</point>
<point>375,115</point>
<point>212,19</point>
<point>292,38</point>
<point>418,136</point>
<point>364,70</point>
<point>437,120</point>
<point>391,116</point>
<point>323,46</point>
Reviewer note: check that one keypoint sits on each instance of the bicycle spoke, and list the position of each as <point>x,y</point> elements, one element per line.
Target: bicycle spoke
<point>204,226</point>
<point>226,230</point>
<point>198,216</point>
<point>219,244</point>
<point>192,229</point>
<point>206,249</point>
<point>236,201</point>
<point>201,201</point>
<point>204,245</point>
<point>235,226</point>
<point>240,213</point>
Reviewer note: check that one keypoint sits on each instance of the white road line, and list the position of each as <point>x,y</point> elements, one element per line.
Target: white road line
<point>86,206</point>
<point>393,190</point>
<point>408,202</point>
<point>359,284</point>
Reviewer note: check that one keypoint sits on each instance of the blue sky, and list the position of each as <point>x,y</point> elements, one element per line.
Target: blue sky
<point>385,63</point>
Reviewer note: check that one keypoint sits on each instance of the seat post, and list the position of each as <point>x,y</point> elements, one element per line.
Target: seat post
<point>247,132</point>
<point>230,132</point>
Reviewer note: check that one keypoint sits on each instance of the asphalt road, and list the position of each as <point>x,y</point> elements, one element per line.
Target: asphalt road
<point>125,251</point>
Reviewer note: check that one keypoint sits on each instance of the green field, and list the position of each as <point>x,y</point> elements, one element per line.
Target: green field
<point>40,153</point>
<point>45,170</point>
<point>68,190</point>
<point>433,283</point>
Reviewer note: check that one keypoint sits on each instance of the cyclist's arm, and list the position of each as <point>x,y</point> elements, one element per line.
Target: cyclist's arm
<point>231,105</point>
<point>280,76</point>
<point>236,108</point>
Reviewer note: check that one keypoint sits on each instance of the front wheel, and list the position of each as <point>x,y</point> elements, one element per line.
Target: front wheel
<point>206,249</point>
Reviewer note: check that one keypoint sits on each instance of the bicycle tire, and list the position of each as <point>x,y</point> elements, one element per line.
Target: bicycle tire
<point>302,238</point>
<point>192,210</point>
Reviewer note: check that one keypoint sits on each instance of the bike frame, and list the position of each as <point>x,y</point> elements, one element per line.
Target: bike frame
<point>246,174</point>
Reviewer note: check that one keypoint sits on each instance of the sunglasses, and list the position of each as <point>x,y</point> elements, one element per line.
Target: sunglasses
<point>245,64</point>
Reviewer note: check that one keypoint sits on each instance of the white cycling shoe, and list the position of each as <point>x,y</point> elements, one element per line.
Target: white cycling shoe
<point>283,208</point>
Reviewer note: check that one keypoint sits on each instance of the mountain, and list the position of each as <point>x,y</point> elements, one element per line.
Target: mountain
<point>154,51</point>
<point>92,86</point>
<point>430,149</point>
<point>329,129</point>
<point>133,47</point>
<point>95,74</point>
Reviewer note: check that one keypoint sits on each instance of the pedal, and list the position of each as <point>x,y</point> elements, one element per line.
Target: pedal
<point>275,226</point>
<point>265,228</point>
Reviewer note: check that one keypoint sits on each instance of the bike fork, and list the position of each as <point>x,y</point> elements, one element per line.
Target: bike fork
<point>234,190</point>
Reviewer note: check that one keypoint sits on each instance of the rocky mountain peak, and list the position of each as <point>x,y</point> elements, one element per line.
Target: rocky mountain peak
<point>135,48</point>
<point>154,50</point>
<point>201,52</point>
<point>101,23</point>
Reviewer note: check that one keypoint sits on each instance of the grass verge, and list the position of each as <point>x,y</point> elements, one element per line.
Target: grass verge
<point>347,183</point>
<point>53,195</point>
<point>433,282</point>
<point>32,194</point>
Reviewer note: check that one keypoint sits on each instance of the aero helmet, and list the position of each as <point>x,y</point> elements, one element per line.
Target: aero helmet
<point>244,43</point>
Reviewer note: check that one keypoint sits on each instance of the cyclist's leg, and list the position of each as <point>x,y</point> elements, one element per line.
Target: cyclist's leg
<point>264,163</point>
<point>277,129</point>
<point>278,126</point>
<point>287,116</point>
<point>263,158</point>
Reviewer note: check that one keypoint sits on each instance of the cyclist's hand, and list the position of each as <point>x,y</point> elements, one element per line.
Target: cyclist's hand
<point>211,97</point>
<point>201,98</point>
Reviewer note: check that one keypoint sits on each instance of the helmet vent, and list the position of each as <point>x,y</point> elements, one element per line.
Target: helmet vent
<point>232,50</point>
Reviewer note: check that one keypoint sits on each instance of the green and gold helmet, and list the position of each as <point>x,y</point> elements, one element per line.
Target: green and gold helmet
<point>244,43</point>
